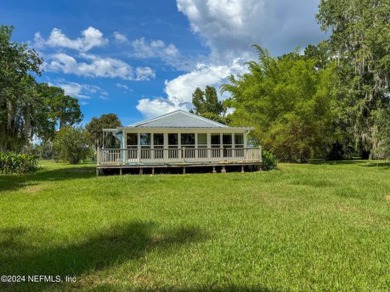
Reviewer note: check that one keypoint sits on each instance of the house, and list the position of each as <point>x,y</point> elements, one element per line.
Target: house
<point>178,140</point>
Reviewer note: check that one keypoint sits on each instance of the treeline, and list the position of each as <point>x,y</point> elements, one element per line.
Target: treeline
<point>330,102</point>
<point>30,110</point>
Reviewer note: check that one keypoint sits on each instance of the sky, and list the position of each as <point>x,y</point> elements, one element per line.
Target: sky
<point>143,58</point>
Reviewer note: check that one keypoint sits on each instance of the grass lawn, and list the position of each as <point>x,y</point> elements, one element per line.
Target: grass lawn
<point>301,227</point>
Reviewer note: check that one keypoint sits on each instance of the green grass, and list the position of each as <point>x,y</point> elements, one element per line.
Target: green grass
<point>301,227</point>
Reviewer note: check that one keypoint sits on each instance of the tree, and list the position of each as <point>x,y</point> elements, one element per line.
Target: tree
<point>95,130</point>
<point>71,145</point>
<point>207,105</point>
<point>289,103</point>
<point>63,110</point>
<point>28,109</point>
<point>19,102</point>
<point>360,43</point>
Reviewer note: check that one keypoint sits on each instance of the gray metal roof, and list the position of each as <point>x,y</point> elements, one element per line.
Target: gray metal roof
<point>178,119</point>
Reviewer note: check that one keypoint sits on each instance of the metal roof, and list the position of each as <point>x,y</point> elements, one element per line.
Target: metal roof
<point>178,119</point>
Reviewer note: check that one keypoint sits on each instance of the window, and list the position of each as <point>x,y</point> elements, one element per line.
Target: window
<point>132,145</point>
<point>239,140</point>
<point>216,143</point>
<point>215,140</point>
<point>145,139</point>
<point>188,140</point>
<point>227,140</point>
<point>202,143</point>
<point>132,140</point>
<point>202,140</point>
<point>158,140</point>
<point>239,144</point>
<point>158,144</point>
<point>173,139</point>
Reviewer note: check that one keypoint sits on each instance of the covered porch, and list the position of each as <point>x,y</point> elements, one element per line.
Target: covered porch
<point>178,139</point>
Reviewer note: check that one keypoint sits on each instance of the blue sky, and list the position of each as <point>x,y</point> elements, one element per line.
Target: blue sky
<point>143,58</point>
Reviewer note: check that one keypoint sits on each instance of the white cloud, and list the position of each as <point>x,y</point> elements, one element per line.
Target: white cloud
<point>144,73</point>
<point>179,90</point>
<point>90,38</point>
<point>80,91</point>
<point>154,107</point>
<point>154,49</point>
<point>121,38</point>
<point>230,27</point>
<point>123,86</point>
<point>94,66</point>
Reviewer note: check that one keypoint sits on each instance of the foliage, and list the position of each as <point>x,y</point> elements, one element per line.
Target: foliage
<point>207,105</point>
<point>269,161</point>
<point>63,110</point>
<point>70,145</point>
<point>382,133</point>
<point>27,108</point>
<point>44,150</point>
<point>288,101</point>
<point>19,109</point>
<point>11,162</point>
<point>314,227</point>
<point>360,44</point>
<point>95,130</point>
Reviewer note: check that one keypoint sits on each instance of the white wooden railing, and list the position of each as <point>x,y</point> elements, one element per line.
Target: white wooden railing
<point>177,155</point>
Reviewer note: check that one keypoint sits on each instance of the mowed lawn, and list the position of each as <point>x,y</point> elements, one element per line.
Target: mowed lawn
<point>301,227</point>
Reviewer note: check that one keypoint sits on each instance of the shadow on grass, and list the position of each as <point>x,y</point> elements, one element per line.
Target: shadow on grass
<point>17,181</point>
<point>114,247</point>
<point>380,164</point>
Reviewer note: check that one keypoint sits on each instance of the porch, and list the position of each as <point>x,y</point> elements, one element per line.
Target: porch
<point>178,140</point>
<point>184,158</point>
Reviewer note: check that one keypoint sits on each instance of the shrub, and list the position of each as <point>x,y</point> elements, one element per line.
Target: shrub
<point>70,145</point>
<point>269,161</point>
<point>11,162</point>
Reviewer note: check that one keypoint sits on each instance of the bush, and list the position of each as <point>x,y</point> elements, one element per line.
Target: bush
<point>70,145</point>
<point>11,162</point>
<point>269,161</point>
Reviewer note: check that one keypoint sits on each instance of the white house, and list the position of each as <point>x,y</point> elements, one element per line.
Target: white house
<point>178,139</point>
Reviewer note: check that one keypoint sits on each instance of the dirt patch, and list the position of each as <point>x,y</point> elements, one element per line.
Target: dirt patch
<point>387,198</point>
<point>347,208</point>
<point>32,189</point>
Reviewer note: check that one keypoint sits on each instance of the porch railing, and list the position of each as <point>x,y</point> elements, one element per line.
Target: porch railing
<point>177,155</point>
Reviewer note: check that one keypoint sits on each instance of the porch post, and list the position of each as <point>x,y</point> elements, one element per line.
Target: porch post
<point>196,145</point>
<point>152,145</point>
<point>209,145</point>
<point>179,145</point>
<point>124,146</point>
<point>165,151</point>
<point>138,147</point>
<point>233,145</point>
<point>221,145</point>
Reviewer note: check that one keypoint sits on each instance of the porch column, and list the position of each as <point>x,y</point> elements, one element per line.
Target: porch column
<point>124,146</point>
<point>152,145</point>
<point>196,145</point>
<point>165,151</point>
<point>233,145</point>
<point>208,145</point>
<point>221,145</point>
<point>179,145</point>
<point>138,147</point>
